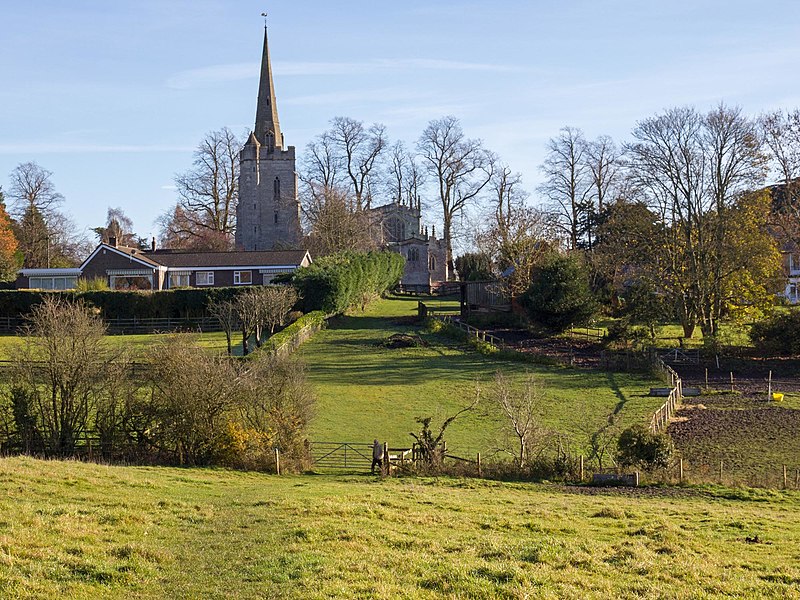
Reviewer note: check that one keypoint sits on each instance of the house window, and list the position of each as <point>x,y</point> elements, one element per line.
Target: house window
<point>53,283</point>
<point>131,283</point>
<point>242,277</point>
<point>792,292</point>
<point>204,278</point>
<point>413,255</point>
<point>178,280</point>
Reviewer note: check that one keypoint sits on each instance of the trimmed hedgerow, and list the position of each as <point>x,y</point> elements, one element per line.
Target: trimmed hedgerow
<point>313,321</point>
<point>174,304</point>
<point>336,283</point>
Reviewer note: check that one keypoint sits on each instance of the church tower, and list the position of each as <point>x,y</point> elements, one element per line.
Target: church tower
<point>268,213</point>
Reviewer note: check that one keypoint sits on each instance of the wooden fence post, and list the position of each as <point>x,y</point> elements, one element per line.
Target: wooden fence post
<point>680,470</point>
<point>386,470</point>
<point>784,477</point>
<point>720,472</point>
<point>581,468</point>
<point>732,382</point>
<point>277,461</point>
<point>480,471</point>
<point>769,388</point>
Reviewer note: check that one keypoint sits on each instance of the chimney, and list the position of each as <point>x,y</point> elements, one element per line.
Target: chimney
<point>112,241</point>
<point>153,245</point>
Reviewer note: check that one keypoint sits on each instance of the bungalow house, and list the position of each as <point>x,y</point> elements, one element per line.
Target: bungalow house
<point>125,268</point>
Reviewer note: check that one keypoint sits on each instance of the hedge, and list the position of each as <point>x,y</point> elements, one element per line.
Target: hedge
<point>313,321</point>
<point>173,304</point>
<point>335,283</point>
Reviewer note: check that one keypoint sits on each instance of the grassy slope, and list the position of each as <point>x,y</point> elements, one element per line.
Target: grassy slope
<point>86,531</point>
<point>368,391</point>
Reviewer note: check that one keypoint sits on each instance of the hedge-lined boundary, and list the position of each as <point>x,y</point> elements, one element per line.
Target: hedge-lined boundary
<point>289,339</point>
<point>190,303</point>
<point>334,284</point>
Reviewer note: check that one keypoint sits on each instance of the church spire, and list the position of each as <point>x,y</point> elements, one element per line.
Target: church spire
<point>268,129</point>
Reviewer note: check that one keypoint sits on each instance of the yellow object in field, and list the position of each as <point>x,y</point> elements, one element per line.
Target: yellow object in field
<point>777,397</point>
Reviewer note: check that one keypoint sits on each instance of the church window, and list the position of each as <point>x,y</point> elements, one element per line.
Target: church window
<point>276,217</point>
<point>432,262</point>
<point>413,255</point>
<point>277,188</point>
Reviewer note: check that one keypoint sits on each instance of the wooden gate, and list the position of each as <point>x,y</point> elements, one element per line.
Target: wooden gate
<point>341,456</point>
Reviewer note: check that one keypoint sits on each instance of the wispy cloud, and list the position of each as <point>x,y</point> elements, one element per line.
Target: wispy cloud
<point>67,148</point>
<point>356,96</point>
<point>215,74</point>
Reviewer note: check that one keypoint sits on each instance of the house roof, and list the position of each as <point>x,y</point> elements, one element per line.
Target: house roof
<point>261,258</point>
<point>133,253</point>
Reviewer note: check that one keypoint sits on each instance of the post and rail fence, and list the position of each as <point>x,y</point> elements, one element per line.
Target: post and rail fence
<point>660,419</point>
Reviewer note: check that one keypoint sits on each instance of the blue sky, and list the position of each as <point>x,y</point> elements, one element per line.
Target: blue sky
<point>112,97</point>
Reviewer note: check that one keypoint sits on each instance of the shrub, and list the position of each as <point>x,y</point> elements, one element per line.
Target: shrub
<point>336,283</point>
<point>474,266</point>
<point>559,295</point>
<point>778,334</point>
<point>637,446</point>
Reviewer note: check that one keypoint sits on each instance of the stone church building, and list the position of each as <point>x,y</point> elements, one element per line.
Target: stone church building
<point>268,213</point>
<point>400,228</point>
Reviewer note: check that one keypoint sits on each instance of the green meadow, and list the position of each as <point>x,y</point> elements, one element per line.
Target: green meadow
<point>365,390</point>
<point>79,531</point>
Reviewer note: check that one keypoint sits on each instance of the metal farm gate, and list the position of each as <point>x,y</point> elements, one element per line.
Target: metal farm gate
<point>341,456</point>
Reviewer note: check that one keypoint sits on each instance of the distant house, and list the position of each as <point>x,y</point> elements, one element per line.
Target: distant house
<point>126,268</point>
<point>791,267</point>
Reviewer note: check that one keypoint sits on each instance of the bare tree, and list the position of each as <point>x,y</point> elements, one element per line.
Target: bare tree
<point>335,224</point>
<point>277,398</point>
<point>208,193</point>
<point>520,406</point>
<point>432,446</point>
<point>604,163</point>
<point>781,133</point>
<point>460,168</point>
<point>47,237</point>
<point>359,149</point>
<point>518,235</point>
<point>31,187</point>
<point>695,170</point>
<point>192,393</point>
<point>278,301</point>
<point>404,177</point>
<point>568,183</point>
<point>62,364</point>
<point>225,312</point>
<point>322,164</point>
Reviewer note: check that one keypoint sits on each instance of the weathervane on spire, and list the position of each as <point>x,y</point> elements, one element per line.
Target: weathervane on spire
<point>264,14</point>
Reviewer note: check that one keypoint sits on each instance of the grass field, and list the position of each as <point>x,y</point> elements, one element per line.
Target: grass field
<point>87,531</point>
<point>137,344</point>
<point>365,390</point>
